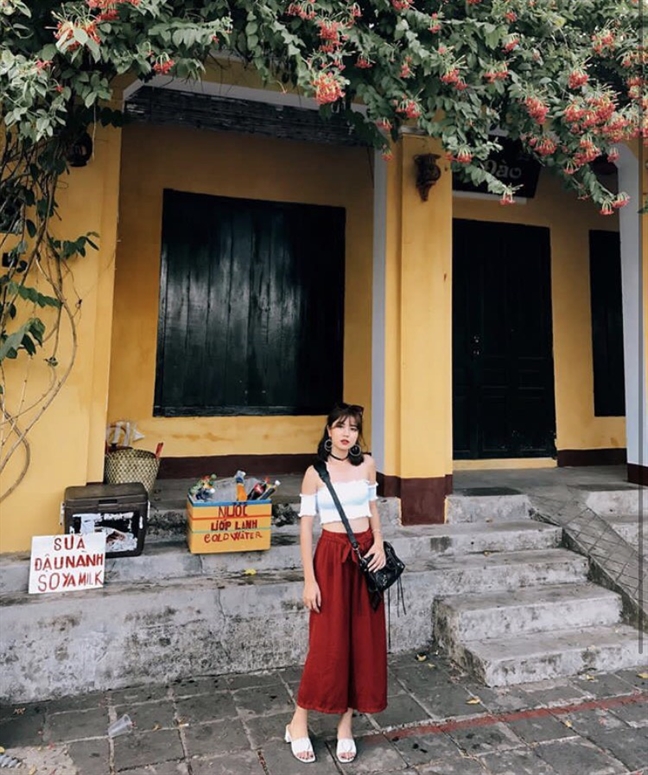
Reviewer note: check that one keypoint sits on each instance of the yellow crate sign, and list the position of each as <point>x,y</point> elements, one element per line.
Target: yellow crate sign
<point>228,527</point>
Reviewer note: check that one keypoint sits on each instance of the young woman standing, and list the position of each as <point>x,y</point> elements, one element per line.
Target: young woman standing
<point>346,666</point>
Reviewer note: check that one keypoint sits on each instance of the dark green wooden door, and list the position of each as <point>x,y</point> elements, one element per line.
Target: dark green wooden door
<point>503,386</point>
<point>251,307</point>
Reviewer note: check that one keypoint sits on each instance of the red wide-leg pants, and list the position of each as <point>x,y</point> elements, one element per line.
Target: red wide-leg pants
<point>346,666</point>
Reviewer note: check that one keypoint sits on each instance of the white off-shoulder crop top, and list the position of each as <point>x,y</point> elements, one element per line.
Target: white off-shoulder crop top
<point>354,497</point>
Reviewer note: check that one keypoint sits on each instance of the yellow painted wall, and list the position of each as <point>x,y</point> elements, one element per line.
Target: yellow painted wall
<point>418,344</point>
<point>570,221</point>
<point>66,443</point>
<point>247,166</point>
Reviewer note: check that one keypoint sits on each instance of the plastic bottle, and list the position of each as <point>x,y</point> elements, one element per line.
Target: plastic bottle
<point>239,477</point>
<point>271,489</point>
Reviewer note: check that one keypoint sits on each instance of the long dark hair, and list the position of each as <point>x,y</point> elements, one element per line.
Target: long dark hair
<point>341,412</point>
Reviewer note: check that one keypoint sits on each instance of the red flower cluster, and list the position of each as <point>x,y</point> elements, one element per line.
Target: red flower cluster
<point>544,145</point>
<point>406,70</point>
<point>436,24</point>
<point>510,16</point>
<point>302,10</point>
<point>329,30</point>
<point>363,63</point>
<point>65,32</point>
<point>511,42</point>
<point>409,108</point>
<point>384,123</point>
<point>327,88</point>
<point>537,109</point>
<point>463,156</point>
<point>162,67</point>
<point>498,73</point>
<point>621,200</point>
<point>401,5</point>
<point>603,42</point>
<point>453,78</point>
<point>577,78</point>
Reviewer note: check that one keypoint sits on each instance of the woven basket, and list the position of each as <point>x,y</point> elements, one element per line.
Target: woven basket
<point>131,465</point>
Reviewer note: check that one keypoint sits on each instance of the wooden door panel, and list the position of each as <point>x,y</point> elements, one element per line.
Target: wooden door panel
<point>502,341</point>
<point>251,307</point>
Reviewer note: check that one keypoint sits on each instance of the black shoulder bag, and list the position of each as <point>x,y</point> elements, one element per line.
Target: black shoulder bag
<point>378,581</point>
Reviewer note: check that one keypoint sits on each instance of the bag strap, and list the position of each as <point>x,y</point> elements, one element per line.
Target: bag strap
<point>320,467</point>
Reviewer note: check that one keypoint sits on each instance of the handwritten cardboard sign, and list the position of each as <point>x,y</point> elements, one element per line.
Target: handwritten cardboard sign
<point>66,563</point>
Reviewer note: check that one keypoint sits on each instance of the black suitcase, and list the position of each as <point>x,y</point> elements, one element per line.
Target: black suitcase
<point>118,510</point>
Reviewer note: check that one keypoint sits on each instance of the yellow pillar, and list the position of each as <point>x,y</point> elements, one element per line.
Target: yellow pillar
<point>66,443</point>
<point>416,460</point>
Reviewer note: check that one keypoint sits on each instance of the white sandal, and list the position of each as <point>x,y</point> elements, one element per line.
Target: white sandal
<point>346,745</point>
<point>302,745</point>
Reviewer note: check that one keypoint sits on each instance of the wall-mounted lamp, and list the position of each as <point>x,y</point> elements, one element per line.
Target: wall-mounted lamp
<point>427,173</point>
<point>81,151</point>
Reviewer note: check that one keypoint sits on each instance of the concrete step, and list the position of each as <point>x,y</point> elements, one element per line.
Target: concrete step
<point>170,558</point>
<point>477,537</point>
<point>498,615</point>
<point>536,657</point>
<point>627,526</point>
<point>618,498</point>
<point>486,504</point>
<point>219,620</point>
<point>507,571</point>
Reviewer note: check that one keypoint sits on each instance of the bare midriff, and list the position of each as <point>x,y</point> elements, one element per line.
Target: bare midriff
<point>358,525</point>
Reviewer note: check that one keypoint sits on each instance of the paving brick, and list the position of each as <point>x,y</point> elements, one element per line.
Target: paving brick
<point>403,709</point>
<point>90,757</point>
<point>462,765</point>
<point>150,716</point>
<point>476,741</point>
<point>635,715</point>
<point>260,700</point>
<point>142,748</point>
<point>203,685</point>
<point>518,761</point>
<point>138,694</point>
<point>426,749</point>
<point>577,757</point>
<point>216,737</point>
<point>76,725</point>
<point>280,761</point>
<point>602,685</point>
<point>592,723</point>
<point>246,680</point>
<point>628,745</point>
<point>376,755</point>
<point>244,762</point>
<point>206,707</point>
<point>165,768</point>
<point>22,730</point>
<point>540,729</point>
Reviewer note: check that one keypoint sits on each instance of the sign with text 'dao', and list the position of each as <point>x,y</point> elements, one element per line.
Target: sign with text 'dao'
<point>67,563</point>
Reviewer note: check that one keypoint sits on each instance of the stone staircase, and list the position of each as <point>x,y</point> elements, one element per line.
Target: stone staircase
<point>542,620</point>
<point>629,528</point>
<point>494,591</point>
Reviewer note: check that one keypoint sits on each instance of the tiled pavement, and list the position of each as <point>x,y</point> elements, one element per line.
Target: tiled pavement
<point>438,723</point>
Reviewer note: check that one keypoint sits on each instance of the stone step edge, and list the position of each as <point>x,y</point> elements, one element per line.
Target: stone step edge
<point>454,622</point>
<point>439,580</point>
<point>14,569</point>
<point>595,648</point>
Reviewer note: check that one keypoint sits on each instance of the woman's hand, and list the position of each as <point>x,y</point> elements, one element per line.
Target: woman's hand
<point>312,596</point>
<point>377,553</point>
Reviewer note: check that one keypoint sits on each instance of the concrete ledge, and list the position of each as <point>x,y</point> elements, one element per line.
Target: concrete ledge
<point>487,504</point>
<point>57,645</point>
<point>533,657</point>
